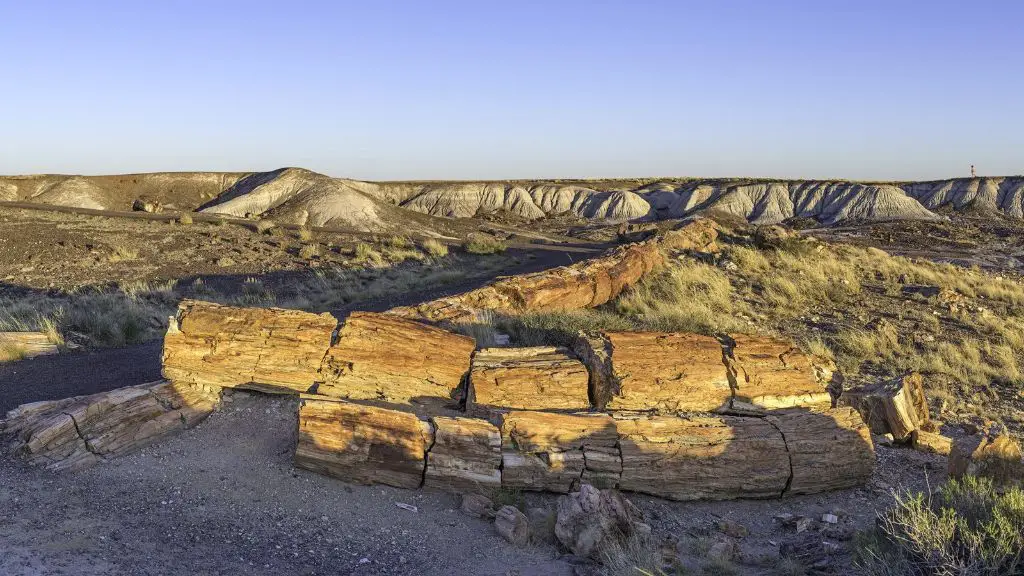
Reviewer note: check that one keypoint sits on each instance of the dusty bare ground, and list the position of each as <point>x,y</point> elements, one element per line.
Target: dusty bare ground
<point>223,498</point>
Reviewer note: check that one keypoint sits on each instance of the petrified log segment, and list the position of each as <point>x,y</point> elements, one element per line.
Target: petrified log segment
<point>585,284</point>
<point>465,457</point>
<point>384,357</point>
<point>828,450</point>
<point>656,371</point>
<point>698,235</point>
<point>536,378</point>
<point>698,457</point>
<point>268,349</point>
<point>362,444</point>
<point>896,406</point>
<point>991,454</point>
<point>77,432</point>
<point>18,345</point>
<point>931,442</point>
<point>554,452</point>
<point>772,373</point>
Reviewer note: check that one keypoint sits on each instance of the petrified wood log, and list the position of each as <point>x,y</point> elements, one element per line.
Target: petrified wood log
<point>896,406</point>
<point>931,442</point>
<point>77,432</point>
<point>674,372</point>
<point>772,373</point>
<point>828,450</point>
<point>384,357</point>
<point>272,349</point>
<point>585,284</point>
<point>465,456</point>
<point>555,452</point>
<point>698,457</point>
<point>536,378</point>
<point>18,345</point>
<point>362,444</point>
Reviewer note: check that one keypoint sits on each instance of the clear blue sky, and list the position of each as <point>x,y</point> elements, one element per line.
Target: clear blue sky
<point>481,89</point>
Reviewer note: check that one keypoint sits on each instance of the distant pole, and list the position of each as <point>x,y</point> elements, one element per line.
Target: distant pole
<point>972,171</point>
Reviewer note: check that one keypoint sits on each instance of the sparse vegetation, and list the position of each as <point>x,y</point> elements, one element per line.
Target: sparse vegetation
<point>265,226</point>
<point>305,234</point>
<point>185,219</point>
<point>484,244</point>
<point>968,527</point>
<point>309,251</point>
<point>434,248</point>
<point>123,253</point>
<point>366,254</point>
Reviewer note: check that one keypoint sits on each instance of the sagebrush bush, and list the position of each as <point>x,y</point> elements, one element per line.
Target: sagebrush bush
<point>968,528</point>
<point>483,244</point>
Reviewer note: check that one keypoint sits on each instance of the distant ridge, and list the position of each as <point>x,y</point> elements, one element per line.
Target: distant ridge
<point>300,196</point>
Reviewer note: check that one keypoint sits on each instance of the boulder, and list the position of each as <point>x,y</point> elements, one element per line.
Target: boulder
<point>537,378</point>
<point>896,406</point>
<point>477,505</point>
<point>702,457</point>
<point>992,454</point>
<point>772,373</point>
<point>828,450</point>
<point>391,359</point>
<point>273,350</point>
<point>588,520</point>
<point>673,372</point>
<point>19,345</point>
<point>554,452</point>
<point>512,525</point>
<point>465,456</point>
<point>362,444</point>
<point>697,235</point>
<point>75,433</point>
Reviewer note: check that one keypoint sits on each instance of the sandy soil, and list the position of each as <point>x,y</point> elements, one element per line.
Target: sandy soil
<point>223,498</point>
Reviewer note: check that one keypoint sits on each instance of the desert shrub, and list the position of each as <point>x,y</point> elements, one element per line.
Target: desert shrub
<point>483,244</point>
<point>185,219</point>
<point>401,242</point>
<point>435,248</point>
<point>636,555</point>
<point>366,254</point>
<point>309,251</point>
<point>109,319</point>
<point>969,527</point>
<point>305,234</point>
<point>123,253</point>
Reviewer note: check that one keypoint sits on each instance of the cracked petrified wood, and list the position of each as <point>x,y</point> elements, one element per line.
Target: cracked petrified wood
<point>272,350</point>
<point>828,450</point>
<point>675,372</point>
<point>465,456</point>
<point>584,284</point>
<point>535,378</point>
<point>362,444</point>
<point>896,406</point>
<point>391,359</point>
<point>77,432</point>
<point>555,452</point>
<point>772,373</point>
<point>703,457</point>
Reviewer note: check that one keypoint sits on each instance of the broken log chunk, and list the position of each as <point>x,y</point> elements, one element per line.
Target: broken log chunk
<point>21,345</point>
<point>554,452</point>
<point>675,372</point>
<point>391,359</point>
<point>931,443</point>
<point>992,454</point>
<point>896,406</point>
<point>828,450</point>
<point>272,350</point>
<point>702,457</point>
<point>536,378</point>
<point>361,444</point>
<point>465,456</point>
<point>75,433</point>
<point>772,373</point>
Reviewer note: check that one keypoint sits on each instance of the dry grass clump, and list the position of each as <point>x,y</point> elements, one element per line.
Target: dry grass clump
<point>558,328</point>
<point>123,253</point>
<point>434,248</point>
<point>185,219</point>
<point>265,226</point>
<point>636,555</point>
<point>366,254</point>
<point>968,527</point>
<point>309,251</point>
<point>305,234</point>
<point>484,244</point>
